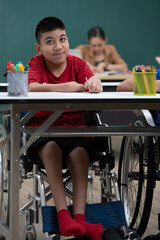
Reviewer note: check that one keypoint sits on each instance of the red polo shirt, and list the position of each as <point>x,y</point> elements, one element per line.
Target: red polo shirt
<point>76,71</point>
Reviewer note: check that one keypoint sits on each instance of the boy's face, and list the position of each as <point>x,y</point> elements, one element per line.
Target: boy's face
<point>54,46</point>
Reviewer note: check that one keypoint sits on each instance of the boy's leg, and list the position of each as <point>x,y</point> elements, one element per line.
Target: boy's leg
<point>78,161</point>
<point>51,156</point>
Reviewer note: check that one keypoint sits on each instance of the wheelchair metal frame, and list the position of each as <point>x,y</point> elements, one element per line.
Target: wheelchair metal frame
<point>41,195</point>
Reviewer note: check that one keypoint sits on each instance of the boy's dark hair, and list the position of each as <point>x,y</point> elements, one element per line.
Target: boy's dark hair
<point>48,24</point>
<point>96,32</point>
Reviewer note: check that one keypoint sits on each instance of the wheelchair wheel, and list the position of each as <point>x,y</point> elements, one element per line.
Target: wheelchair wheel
<point>136,177</point>
<point>4,179</point>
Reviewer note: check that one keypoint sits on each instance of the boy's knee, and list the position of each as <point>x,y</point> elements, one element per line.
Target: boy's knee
<point>49,148</point>
<point>80,150</point>
<point>79,154</point>
<point>51,144</point>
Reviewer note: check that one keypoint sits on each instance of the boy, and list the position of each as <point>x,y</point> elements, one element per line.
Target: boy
<point>56,71</point>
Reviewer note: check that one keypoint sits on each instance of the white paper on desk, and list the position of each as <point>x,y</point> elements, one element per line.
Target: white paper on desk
<point>108,73</point>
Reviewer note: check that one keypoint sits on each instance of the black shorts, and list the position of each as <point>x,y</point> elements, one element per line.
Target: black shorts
<point>66,145</point>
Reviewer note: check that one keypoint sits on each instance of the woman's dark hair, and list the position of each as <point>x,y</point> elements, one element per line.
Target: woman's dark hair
<point>96,32</point>
<point>48,24</point>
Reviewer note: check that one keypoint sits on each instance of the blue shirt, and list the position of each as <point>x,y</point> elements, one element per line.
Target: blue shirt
<point>158,74</point>
<point>158,112</point>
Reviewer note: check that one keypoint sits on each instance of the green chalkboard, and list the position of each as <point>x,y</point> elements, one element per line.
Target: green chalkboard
<point>132,26</point>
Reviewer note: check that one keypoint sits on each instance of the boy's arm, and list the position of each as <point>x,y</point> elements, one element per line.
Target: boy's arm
<point>94,85</point>
<point>61,87</point>
<point>125,86</point>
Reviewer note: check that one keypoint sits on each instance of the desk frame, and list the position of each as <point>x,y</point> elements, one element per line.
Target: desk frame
<point>61,102</point>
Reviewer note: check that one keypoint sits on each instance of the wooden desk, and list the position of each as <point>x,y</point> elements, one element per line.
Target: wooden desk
<point>114,77</point>
<point>60,102</point>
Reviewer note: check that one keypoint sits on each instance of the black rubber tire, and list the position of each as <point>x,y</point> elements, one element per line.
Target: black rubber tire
<point>136,172</point>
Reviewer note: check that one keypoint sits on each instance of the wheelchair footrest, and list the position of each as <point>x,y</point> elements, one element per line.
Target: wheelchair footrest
<point>109,214</point>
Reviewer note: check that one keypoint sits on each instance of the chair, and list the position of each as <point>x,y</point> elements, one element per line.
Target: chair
<point>102,188</point>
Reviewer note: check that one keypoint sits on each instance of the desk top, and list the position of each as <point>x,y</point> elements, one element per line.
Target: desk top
<point>114,77</point>
<point>83,101</point>
<point>73,96</point>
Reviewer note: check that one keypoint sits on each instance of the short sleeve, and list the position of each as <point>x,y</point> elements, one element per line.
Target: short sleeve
<point>83,71</point>
<point>34,74</point>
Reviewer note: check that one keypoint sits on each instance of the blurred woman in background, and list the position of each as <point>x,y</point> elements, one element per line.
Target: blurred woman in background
<point>99,55</point>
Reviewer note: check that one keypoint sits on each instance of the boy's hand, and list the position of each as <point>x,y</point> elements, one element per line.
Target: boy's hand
<point>94,85</point>
<point>74,87</point>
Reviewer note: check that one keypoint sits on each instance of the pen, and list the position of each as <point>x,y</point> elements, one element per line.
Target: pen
<point>17,67</point>
<point>20,67</point>
<point>8,68</point>
<point>8,65</point>
<point>5,73</point>
<point>86,85</point>
<point>26,67</point>
<point>12,67</point>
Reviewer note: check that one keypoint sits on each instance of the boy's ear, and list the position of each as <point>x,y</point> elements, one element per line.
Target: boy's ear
<point>38,48</point>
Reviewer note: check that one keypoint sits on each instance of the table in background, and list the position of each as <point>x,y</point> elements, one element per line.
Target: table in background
<point>114,77</point>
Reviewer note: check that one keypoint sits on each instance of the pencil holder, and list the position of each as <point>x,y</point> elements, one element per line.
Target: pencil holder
<point>144,83</point>
<point>17,83</point>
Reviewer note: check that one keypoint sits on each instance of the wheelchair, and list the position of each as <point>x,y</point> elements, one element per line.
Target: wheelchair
<point>138,171</point>
<point>103,190</point>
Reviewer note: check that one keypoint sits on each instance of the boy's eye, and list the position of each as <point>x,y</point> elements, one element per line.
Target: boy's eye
<point>49,41</point>
<point>63,39</point>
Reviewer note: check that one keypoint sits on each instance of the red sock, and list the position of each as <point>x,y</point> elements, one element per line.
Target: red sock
<point>93,231</point>
<point>69,227</point>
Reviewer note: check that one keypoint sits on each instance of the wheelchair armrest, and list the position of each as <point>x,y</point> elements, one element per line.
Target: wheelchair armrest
<point>98,120</point>
<point>93,119</point>
<point>4,111</point>
<point>148,115</point>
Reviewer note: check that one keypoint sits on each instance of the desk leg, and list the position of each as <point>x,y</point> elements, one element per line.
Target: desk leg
<point>14,179</point>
